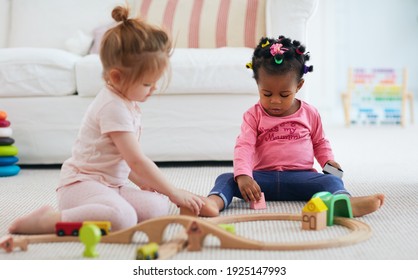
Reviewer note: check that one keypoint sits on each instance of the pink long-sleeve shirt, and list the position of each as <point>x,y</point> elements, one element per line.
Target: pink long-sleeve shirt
<point>280,143</point>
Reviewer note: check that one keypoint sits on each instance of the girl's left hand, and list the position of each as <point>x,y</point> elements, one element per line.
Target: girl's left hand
<point>183,198</point>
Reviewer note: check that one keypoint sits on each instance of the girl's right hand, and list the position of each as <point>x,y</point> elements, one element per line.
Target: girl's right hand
<point>249,188</point>
<point>183,198</point>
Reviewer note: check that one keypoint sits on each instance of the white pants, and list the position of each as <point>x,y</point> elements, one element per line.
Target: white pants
<point>124,206</point>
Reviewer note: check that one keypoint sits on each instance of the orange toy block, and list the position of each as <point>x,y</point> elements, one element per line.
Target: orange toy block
<point>258,205</point>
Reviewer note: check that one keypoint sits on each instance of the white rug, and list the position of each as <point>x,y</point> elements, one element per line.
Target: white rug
<point>374,159</point>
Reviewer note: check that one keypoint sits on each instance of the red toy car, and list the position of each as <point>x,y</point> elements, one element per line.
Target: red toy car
<point>68,228</point>
<point>72,228</point>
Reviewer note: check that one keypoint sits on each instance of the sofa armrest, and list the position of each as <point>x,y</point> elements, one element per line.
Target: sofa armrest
<point>289,17</point>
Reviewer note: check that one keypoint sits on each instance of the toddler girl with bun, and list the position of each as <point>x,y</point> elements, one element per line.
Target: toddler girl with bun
<point>94,181</point>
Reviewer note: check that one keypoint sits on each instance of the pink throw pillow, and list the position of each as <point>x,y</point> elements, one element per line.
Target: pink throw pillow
<point>98,35</point>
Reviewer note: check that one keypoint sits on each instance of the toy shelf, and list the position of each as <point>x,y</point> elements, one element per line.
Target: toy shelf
<point>377,97</point>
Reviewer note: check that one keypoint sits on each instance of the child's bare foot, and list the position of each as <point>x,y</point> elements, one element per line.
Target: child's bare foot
<point>212,206</point>
<point>364,205</point>
<point>42,220</point>
<point>186,211</point>
<point>209,209</point>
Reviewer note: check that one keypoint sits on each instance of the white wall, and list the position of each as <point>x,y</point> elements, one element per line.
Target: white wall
<point>359,33</point>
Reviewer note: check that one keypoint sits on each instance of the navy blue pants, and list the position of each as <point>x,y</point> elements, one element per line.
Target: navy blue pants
<point>281,185</point>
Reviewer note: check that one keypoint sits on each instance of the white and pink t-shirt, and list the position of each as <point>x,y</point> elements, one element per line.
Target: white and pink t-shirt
<point>280,143</point>
<point>94,155</point>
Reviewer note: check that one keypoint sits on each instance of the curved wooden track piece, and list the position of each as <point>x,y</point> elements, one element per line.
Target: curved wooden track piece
<point>199,228</point>
<point>359,232</point>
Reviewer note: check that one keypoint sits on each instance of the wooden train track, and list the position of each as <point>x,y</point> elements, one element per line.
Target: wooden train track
<point>198,228</point>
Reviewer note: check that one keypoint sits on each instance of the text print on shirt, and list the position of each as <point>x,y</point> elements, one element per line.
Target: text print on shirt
<point>286,130</point>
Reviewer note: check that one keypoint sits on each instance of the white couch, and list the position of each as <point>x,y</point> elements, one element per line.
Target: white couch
<point>48,78</point>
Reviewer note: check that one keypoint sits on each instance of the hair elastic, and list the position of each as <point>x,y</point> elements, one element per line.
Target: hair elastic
<point>307,69</point>
<point>278,61</point>
<point>249,65</point>
<point>299,51</point>
<point>265,44</point>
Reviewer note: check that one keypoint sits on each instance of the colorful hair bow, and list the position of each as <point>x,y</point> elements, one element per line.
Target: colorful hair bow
<point>277,49</point>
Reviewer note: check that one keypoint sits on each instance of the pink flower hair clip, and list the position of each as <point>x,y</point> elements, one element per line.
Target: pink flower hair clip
<point>277,49</point>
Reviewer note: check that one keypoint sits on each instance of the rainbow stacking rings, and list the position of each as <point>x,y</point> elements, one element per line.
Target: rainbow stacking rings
<point>8,151</point>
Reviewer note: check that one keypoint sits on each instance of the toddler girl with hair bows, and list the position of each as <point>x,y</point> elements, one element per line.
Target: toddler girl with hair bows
<point>280,137</point>
<point>94,181</point>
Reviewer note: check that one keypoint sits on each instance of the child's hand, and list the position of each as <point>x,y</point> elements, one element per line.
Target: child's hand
<point>183,198</point>
<point>249,188</point>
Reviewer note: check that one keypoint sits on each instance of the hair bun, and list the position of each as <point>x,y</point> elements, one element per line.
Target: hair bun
<point>120,14</point>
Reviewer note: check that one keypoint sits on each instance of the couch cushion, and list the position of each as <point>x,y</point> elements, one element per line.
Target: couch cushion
<point>36,72</point>
<point>4,22</point>
<point>208,23</point>
<point>89,75</point>
<point>211,71</point>
<point>193,71</point>
<point>79,44</point>
<point>50,23</point>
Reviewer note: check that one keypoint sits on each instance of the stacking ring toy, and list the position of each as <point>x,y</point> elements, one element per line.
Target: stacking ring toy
<point>8,160</point>
<point>6,141</point>
<point>8,151</point>
<point>6,131</point>
<point>3,115</point>
<point>10,170</point>
<point>4,123</point>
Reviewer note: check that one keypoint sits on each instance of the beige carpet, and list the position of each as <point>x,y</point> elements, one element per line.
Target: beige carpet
<point>374,159</point>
